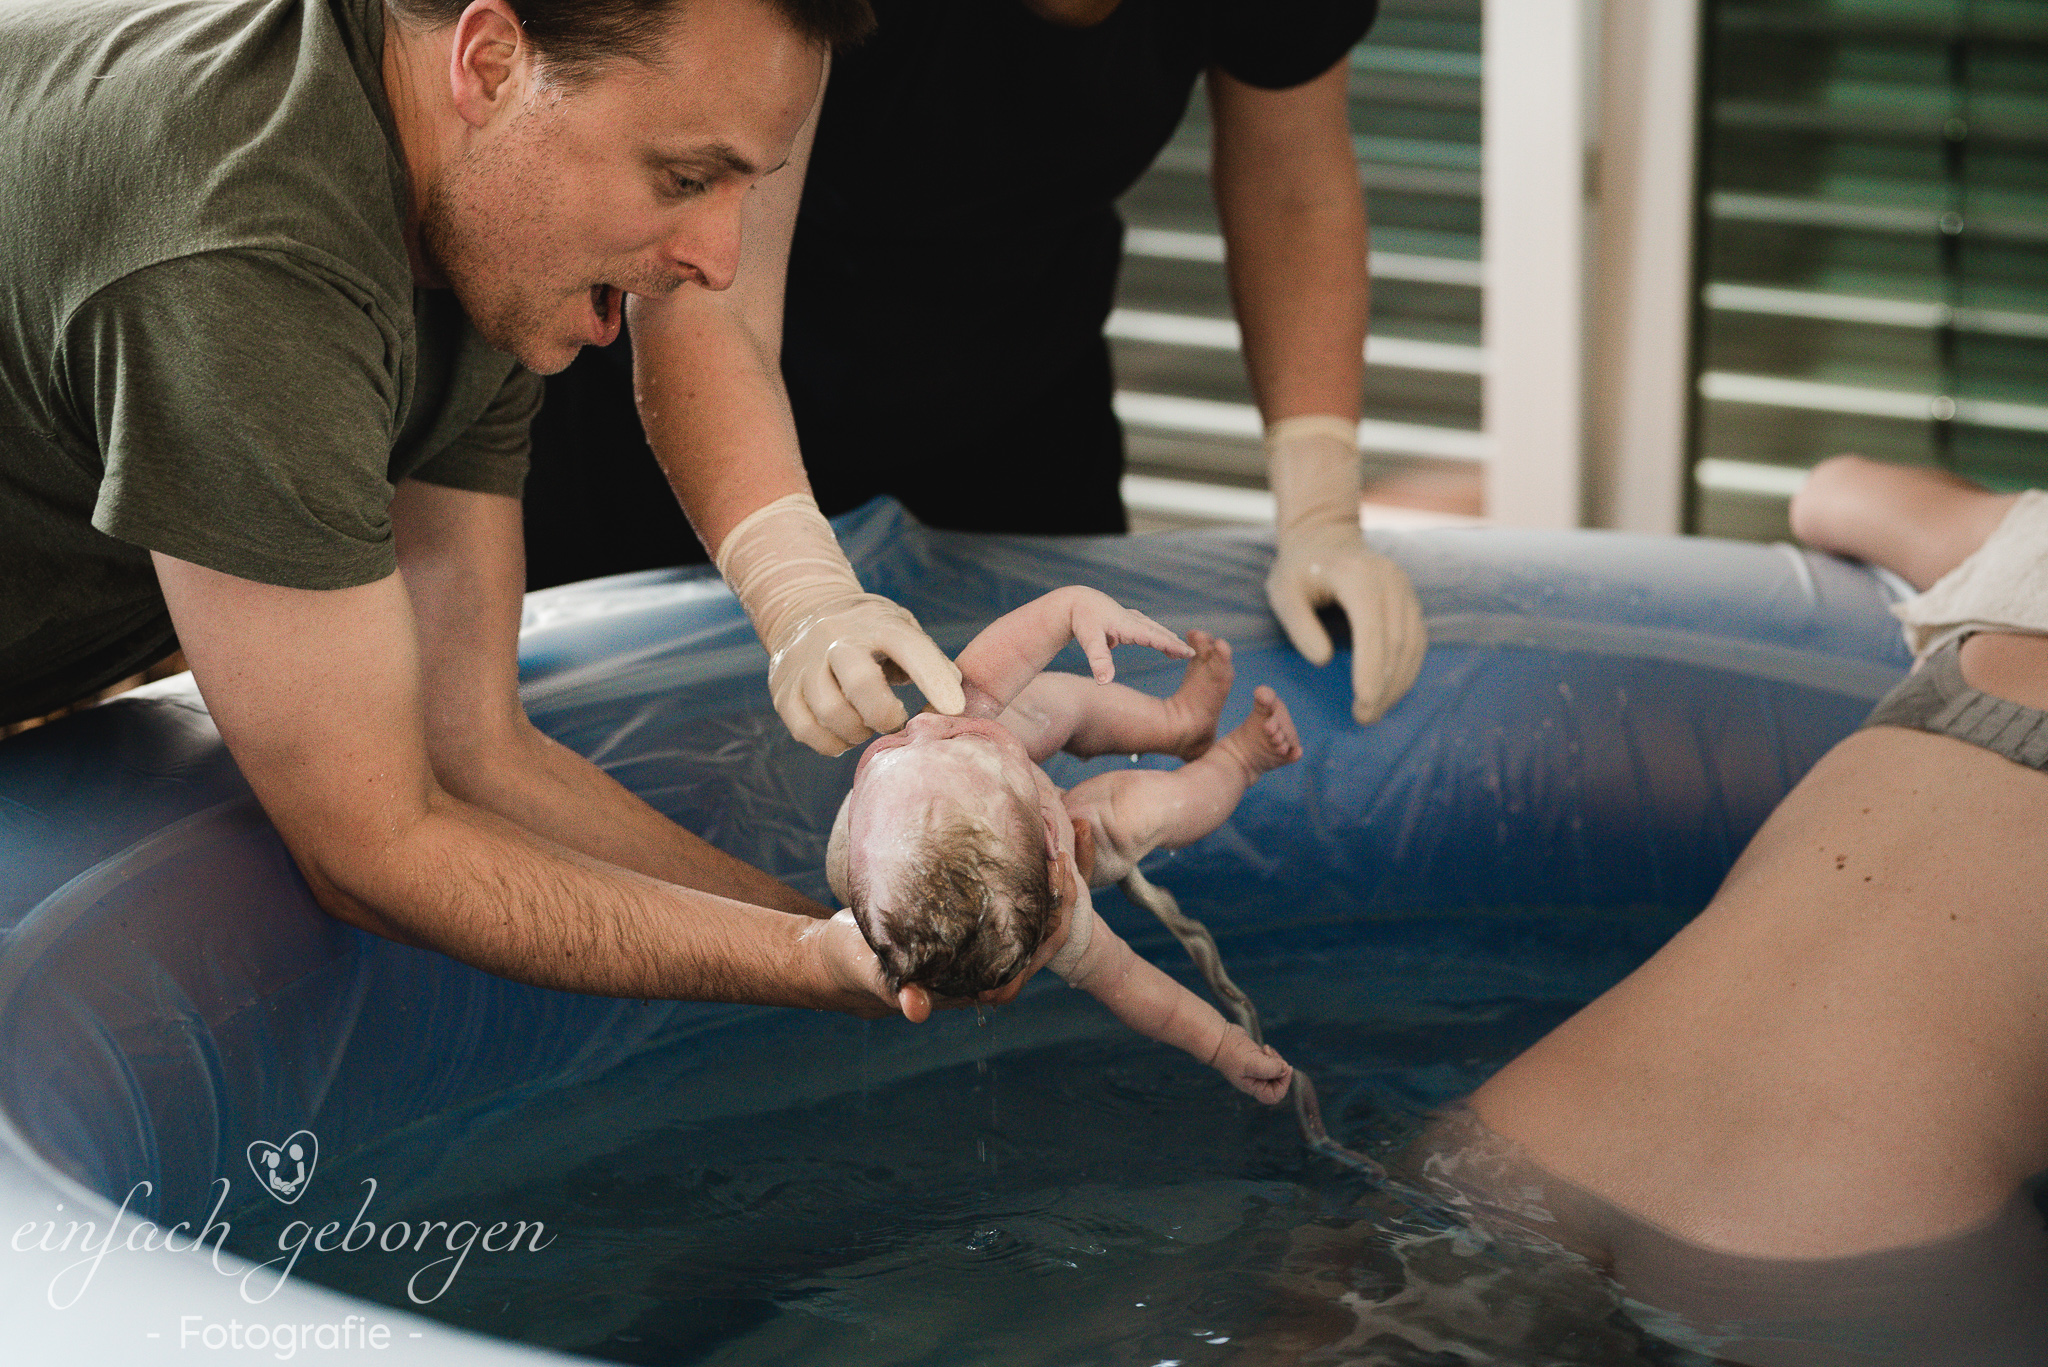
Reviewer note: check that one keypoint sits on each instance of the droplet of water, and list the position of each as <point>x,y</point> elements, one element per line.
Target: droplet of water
<point>980,1015</point>
<point>981,1149</point>
<point>981,1239</point>
<point>981,1066</point>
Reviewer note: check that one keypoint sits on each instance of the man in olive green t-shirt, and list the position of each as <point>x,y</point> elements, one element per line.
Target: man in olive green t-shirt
<point>269,264</point>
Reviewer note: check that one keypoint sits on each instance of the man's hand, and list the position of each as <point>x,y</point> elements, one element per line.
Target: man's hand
<point>846,961</point>
<point>1322,558</point>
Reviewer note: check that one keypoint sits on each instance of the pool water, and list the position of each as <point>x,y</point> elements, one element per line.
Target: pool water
<point>1036,1187</point>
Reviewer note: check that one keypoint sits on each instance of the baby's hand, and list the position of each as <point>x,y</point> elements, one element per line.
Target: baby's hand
<point>1254,1069</point>
<point>1099,622</point>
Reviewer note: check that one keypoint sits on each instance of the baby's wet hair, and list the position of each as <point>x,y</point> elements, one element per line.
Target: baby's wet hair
<point>969,913</point>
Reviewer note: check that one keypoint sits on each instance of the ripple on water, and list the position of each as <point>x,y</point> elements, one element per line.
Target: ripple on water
<point>1096,1198</point>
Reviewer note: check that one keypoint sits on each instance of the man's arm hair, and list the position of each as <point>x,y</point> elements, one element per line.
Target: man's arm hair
<point>460,558</point>
<point>321,696</point>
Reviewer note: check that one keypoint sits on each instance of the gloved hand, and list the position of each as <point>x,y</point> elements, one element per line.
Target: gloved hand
<point>1312,462</point>
<point>833,650</point>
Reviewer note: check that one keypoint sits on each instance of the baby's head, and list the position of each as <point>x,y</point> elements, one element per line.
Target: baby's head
<point>948,852</point>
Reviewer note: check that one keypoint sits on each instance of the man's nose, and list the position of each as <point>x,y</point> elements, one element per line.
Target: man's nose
<point>706,244</point>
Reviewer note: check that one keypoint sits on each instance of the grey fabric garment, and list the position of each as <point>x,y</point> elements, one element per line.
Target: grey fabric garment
<point>1937,699</point>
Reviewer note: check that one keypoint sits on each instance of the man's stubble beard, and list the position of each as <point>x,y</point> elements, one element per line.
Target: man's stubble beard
<point>457,246</point>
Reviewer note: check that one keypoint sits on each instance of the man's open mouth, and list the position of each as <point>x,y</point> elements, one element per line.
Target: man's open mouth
<point>609,306</point>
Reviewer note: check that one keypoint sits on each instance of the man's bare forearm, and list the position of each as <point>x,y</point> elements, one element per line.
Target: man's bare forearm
<point>557,794</point>
<point>477,887</point>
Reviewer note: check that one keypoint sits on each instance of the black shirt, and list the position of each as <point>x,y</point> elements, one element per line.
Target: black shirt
<point>957,245</point>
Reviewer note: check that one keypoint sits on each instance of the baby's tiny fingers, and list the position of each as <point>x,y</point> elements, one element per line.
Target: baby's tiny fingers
<point>1140,630</point>
<point>1094,644</point>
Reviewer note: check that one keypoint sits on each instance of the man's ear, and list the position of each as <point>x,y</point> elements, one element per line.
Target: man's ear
<point>914,1002</point>
<point>488,55</point>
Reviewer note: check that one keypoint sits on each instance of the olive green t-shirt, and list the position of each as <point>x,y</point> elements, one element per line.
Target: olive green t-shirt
<point>210,341</point>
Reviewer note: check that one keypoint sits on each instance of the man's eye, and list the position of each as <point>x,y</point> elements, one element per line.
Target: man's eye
<point>683,187</point>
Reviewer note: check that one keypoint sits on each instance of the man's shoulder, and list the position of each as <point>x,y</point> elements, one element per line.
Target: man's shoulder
<point>149,131</point>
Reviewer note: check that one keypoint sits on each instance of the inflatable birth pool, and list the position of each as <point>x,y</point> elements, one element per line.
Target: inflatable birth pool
<point>1602,722</point>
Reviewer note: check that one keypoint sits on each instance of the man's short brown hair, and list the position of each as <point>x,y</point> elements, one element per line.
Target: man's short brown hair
<point>574,36</point>
<point>969,915</point>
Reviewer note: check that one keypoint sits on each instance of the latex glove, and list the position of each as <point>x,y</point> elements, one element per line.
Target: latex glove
<point>1322,558</point>
<point>833,650</point>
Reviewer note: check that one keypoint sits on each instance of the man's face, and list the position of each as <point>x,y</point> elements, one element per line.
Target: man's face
<point>630,182</point>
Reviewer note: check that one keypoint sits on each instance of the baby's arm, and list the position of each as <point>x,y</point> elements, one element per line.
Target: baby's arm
<point>1010,651</point>
<point>1154,1005</point>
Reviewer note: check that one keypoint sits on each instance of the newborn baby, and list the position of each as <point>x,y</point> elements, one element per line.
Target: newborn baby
<point>966,869</point>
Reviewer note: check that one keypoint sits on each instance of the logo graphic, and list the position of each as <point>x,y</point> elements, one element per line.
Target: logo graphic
<point>285,1169</point>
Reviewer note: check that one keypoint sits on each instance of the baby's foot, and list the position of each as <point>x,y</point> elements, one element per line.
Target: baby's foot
<point>1195,705</point>
<point>1267,738</point>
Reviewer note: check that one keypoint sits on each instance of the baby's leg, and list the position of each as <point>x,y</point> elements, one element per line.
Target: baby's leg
<point>1918,523</point>
<point>1058,712</point>
<point>1141,810</point>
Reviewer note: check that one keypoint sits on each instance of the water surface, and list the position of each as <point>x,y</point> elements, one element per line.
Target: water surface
<point>1042,1188</point>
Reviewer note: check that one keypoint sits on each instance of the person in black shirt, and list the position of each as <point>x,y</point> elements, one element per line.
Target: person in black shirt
<point>949,268</point>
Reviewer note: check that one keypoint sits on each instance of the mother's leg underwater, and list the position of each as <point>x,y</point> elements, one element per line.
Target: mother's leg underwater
<point>1835,1080</point>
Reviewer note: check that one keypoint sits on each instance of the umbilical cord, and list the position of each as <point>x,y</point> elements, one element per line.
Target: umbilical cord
<point>1201,947</point>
